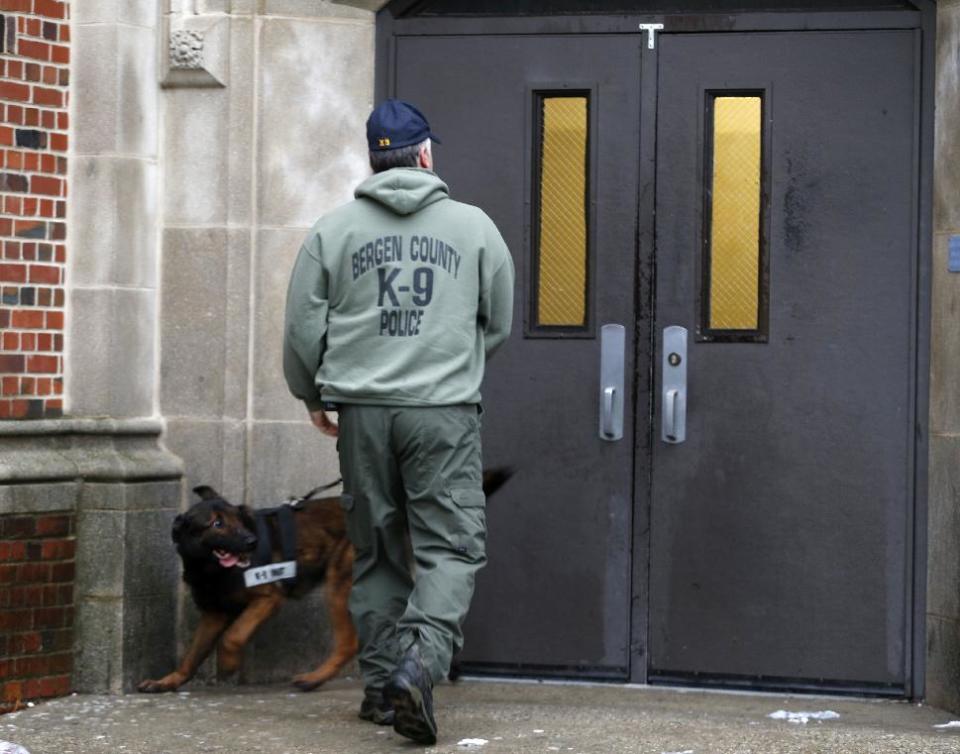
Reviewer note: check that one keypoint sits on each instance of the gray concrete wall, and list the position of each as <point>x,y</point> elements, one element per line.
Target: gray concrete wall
<point>943,584</point>
<point>257,143</point>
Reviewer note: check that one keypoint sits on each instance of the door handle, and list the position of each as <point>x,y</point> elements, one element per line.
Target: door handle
<point>674,380</point>
<point>670,415</point>
<point>612,342</point>
<point>609,395</point>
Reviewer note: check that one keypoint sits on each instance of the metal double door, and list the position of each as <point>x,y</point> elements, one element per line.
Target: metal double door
<point>773,545</point>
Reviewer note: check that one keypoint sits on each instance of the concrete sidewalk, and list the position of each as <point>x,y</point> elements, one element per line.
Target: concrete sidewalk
<point>509,717</point>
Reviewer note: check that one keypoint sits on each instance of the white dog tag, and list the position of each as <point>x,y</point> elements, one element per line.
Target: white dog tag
<point>270,573</point>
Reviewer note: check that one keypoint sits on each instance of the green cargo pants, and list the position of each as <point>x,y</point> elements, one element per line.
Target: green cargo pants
<point>417,472</point>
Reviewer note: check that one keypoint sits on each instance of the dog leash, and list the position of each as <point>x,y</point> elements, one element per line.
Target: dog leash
<point>294,501</point>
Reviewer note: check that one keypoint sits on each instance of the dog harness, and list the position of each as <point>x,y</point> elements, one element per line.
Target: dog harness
<point>264,570</point>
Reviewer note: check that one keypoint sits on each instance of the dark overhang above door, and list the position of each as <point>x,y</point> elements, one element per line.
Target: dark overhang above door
<point>425,8</point>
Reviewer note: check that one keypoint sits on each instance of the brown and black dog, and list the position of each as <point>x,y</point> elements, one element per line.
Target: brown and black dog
<point>215,540</point>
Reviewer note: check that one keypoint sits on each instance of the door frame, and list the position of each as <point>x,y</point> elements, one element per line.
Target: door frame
<point>399,19</point>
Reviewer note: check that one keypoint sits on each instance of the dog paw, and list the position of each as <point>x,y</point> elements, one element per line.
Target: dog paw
<point>155,687</point>
<point>308,681</point>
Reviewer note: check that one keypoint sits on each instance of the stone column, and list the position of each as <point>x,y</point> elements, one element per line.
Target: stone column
<point>943,585</point>
<point>113,212</point>
<point>262,132</point>
<point>126,486</point>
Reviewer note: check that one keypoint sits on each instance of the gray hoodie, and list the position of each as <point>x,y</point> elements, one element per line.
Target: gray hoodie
<point>397,298</point>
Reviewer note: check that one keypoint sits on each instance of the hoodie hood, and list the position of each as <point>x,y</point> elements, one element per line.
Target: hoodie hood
<point>403,190</point>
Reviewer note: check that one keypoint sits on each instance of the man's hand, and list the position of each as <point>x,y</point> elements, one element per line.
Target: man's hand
<point>322,422</point>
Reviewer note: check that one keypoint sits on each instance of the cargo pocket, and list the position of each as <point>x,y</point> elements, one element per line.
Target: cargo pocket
<point>470,533</point>
<point>358,531</point>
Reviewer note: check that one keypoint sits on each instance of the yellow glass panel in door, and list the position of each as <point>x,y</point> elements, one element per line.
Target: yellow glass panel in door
<point>562,252</point>
<point>735,214</point>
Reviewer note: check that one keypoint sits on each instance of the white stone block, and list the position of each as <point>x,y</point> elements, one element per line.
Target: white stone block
<point>94,83</point>
<point>237,325</point>
<point>945,337</point>
<point>110,364</point>
<point>316,91</point>
<point>370,5</point>
<point>129,12</point>
<point>112,221</point>
<point>275,255</point>
<point>289,459</point>
<point>192,328</point>
<point>242,108</point>
<point>196,139</point>
<point>313,9</point>
<point>137,100</point>
<point>200,445</point>
<point>947,141</point>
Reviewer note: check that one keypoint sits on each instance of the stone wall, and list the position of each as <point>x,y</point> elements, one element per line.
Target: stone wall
<point>34,91</point>
<point>943,582</point>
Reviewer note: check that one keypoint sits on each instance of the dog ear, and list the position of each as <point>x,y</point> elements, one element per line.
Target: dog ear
<point>494,479</point>
<point>207,493</point>
<point>178,523</point>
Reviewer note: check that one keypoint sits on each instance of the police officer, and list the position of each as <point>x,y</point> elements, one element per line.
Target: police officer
<point>395,302</point>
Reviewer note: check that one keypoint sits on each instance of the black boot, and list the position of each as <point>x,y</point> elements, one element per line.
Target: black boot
<point>410,692</point>
<point>375,707</point>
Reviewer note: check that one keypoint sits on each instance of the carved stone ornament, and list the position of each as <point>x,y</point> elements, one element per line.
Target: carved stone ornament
<point>198,51</point>
<point>186,49</point>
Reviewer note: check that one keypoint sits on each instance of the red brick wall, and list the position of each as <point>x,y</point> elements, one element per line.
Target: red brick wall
<point>36,607</point>
<point>34,91</point>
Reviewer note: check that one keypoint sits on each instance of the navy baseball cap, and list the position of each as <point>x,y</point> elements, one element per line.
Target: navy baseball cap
<point>394,124</point>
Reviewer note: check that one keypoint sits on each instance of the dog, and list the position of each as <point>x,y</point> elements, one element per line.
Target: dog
<point>216,540</point>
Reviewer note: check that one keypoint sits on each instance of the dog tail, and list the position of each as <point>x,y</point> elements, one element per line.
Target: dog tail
<point>494,479</point>
<point>456,670</point>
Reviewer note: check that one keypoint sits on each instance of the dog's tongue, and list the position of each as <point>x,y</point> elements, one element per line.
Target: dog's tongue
<point>227,559</point>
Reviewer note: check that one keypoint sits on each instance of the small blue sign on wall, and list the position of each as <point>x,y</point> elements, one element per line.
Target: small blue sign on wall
<point>953,248</point>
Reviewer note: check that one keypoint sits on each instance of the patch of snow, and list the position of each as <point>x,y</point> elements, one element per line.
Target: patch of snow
<point>951,724</point>
<point>472,743</point>
<point>687,751</point>
<point>802,718</point>
<point>10,748</point>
